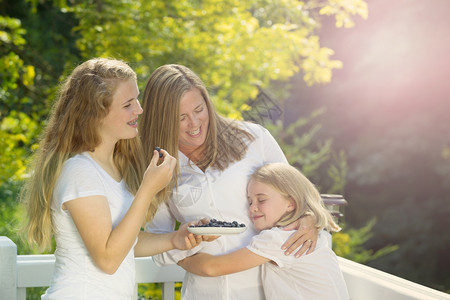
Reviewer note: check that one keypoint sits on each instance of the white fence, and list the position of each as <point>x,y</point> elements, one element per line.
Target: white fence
<point>366,283</point>
<point>17,272</point>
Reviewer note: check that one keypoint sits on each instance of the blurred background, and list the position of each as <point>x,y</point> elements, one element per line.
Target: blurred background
<point>356,93</point>
<point>388,107</point>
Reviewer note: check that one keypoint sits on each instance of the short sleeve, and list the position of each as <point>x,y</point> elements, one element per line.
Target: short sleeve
<point>79,178</point>
<point>267,144</point>
<point>268,244</point>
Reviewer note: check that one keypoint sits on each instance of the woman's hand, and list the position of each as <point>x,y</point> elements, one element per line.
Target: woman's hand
<point>306,236</point>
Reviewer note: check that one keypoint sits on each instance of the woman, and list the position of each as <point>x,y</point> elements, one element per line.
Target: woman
<point>215,156</point>
<point>86,186</point>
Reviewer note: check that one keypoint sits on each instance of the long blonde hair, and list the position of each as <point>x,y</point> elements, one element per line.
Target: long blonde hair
<point>84,100</point>
<point>292,184</point>
<point>159,126</point>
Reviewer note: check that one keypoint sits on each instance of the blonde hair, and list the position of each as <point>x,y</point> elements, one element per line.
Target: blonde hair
<point>159,126</point>
<point>292,184</point>
<point>84,100</point>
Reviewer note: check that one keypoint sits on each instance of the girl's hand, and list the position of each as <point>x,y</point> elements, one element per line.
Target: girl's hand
<point>306,236</point>
<point>156,177</point>
<point>185,240</point>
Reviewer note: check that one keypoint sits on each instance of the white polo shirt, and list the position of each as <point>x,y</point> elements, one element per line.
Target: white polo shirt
<point>221,195</point>
<point>313,276</point>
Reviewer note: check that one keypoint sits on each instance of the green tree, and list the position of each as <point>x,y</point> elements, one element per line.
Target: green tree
<point>235,46</point>
<point>17,129</point>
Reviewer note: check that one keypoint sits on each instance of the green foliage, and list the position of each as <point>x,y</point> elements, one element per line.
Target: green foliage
<point>343,10</point>
<point>153,291</point>
<point>18,129</point>
<point>8,210</point>
<point>338,172</point>
<point>304,150</point>
<point>14,73</point>
<point>150,291</point>
<point>35,293</point>
<point>17,133</point>
<point>233,45</point>
<point>350,244</point>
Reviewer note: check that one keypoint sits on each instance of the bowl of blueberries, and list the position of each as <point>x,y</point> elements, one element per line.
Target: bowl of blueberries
<point>215,227</point>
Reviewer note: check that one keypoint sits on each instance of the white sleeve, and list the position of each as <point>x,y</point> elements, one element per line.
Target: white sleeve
<point>272,151</point>
<point>266,144</point>
<point>78,179</point>
<point>164,222</point>
<point>268,244</point>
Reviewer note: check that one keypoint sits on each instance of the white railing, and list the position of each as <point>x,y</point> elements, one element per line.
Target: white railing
<point>366,283</point>
<point>18,272</point>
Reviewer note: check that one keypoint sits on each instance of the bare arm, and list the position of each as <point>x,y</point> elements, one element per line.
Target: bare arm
<point>91,215</point>
<point>151,243</point>
<point>210,265</point>
<point>306,236</point>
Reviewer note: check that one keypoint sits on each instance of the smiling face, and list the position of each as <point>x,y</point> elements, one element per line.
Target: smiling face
<point>121,121</point>
<point>266,205</point>
<point>194,121</point>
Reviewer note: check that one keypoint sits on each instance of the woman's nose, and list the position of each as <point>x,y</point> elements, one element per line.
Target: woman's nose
<point>194,121</point>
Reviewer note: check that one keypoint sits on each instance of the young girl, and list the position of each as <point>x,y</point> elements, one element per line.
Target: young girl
<point>278,194</point>
<point>85,190</point>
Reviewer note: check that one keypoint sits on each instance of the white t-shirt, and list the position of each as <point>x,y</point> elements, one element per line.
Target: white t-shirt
<point>313,276</point>
<point>221,195</point>
<point>76,276</point>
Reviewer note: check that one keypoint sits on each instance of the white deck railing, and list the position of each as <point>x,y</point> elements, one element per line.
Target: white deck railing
<point>18,272</point>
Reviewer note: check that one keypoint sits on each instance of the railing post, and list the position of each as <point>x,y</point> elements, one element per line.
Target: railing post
<point>333,203</point>
<point>168,290</point>
<point>8,269</point>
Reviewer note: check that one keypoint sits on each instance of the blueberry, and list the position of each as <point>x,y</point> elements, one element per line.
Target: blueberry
<point>159,151</point>
<point>215,223</point>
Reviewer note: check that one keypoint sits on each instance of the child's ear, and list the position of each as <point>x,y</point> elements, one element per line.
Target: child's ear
<point>292,205</point>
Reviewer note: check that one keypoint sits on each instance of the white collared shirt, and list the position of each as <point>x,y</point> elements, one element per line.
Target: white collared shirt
<point>221,195</point>
<point>312,276</point>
